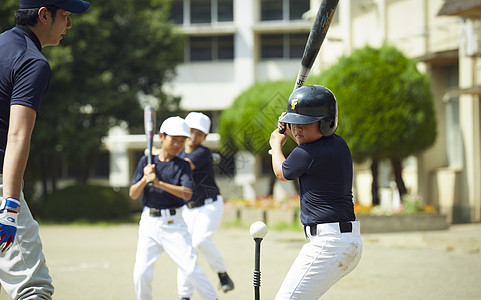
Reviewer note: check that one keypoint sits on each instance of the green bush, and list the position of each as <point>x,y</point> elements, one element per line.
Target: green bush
<point>86,202</point>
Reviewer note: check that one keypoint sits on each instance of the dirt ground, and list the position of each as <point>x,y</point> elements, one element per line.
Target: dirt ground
<point>96,262</point>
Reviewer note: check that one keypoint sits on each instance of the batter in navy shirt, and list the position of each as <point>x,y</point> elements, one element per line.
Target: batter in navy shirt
<point>324,169</point>
<point>24,76</point>
<point>176,171</point>
<point>205,186</point>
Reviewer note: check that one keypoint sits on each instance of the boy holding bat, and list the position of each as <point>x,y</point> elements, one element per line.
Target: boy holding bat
<point>322,163</point>
<point>162,227</point>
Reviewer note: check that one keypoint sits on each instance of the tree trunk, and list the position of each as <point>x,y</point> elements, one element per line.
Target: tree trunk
<point>44,176</point>
<point>272,182</point>
<point>375,184</point>
<point>397,170</point>
<point>87,168</point>
<point>54,172</point>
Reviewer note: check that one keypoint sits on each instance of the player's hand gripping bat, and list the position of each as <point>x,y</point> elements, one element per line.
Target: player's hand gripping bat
<point>149,124</point>
<point>316,38</point>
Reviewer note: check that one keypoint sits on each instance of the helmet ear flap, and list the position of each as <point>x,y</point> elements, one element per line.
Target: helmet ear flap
<point>328,127</point>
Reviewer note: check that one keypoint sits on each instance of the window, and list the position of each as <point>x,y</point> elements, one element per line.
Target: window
<point>211,48</point>
<point>283,45</point>
<point>200,48</point>
<point>283,9</point>
<point>271,10</point>
<point>202,11</point>
<point>454,145</point>
<point>297,9</point>
<point>272,46</point>
<point>454,149</point>
<point>225,47</point>
<point>297,43</point>
<point>225,10</point>
<point>177,11</point>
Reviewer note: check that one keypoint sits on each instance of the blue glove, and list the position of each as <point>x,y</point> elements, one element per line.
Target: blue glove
<point>9,209</point>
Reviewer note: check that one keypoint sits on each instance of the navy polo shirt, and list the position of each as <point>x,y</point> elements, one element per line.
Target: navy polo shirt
<point>176,171</point>
<point>24,76</point>
<point>324,169</point>
<point>203,175</point>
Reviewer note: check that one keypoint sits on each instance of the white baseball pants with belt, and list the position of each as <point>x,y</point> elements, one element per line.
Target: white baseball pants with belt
<point>23,270</point>
<point>167,233</point>
<point>329,256</point>
<point>203,222</point>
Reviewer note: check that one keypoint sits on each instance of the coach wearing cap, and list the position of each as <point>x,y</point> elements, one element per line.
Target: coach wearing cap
<point>24,78</point>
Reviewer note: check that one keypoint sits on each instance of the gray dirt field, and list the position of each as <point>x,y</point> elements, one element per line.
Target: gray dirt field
<point>96,262</point>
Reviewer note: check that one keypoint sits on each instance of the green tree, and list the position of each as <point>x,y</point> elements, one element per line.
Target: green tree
<point>7,18</point>
<point>249,122</point>
<point>116,51</point>
<point>252,117</point>
<point>385,108</point>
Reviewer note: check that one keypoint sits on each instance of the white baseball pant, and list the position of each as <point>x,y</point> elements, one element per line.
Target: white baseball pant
<point>167,233</point>
<point>23,270</point>
<point>329,256</point>
<point>203,222</point>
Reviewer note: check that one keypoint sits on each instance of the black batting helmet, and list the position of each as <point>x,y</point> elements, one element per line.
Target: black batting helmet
<point>312,103</point>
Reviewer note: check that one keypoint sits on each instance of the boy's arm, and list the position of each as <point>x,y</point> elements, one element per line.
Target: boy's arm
<point>137,188</point>
<point>277,141</point>
<point>192,165</point>
<point>176,190</point>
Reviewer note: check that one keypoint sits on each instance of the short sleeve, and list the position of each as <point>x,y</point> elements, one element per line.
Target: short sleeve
<point>186,177</point>
<point>296,164</point>
<point>139,171</point>
<point>31,82</point>
<point>200,157</point>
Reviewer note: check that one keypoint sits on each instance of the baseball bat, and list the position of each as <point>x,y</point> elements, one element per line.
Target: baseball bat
<point>149,125</point>
<point>314,41</point>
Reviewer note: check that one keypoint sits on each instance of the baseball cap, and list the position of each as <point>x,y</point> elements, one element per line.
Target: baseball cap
<point>197,120</point>
<point>73,6</point>
<point>175,126</point>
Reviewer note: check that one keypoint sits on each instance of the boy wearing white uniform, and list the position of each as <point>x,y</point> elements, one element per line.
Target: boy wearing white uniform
<point>162,227</point>
<point>322,162</point>
<point>205,208</point>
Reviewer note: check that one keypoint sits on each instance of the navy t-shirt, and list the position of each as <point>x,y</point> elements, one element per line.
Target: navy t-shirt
<point>24,76</point>
<point>176,171</point>
<point>324,169</point>
<point>203,175</point>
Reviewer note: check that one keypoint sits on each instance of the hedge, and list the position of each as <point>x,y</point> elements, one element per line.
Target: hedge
<point>86,202</point>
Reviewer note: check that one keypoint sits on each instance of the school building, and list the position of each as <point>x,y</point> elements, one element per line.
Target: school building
<point>231,44</point>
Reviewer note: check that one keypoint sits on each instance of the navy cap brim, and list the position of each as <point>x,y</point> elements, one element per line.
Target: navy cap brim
<point>73,6</point>
<point>294,118</point>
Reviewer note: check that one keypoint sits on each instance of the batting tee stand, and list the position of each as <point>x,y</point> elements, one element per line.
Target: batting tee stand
<point>257,271</point>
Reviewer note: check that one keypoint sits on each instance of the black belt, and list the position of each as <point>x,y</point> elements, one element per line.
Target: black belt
<point>343,227</point>
<point>195,204</point>
<point>157,212</point>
